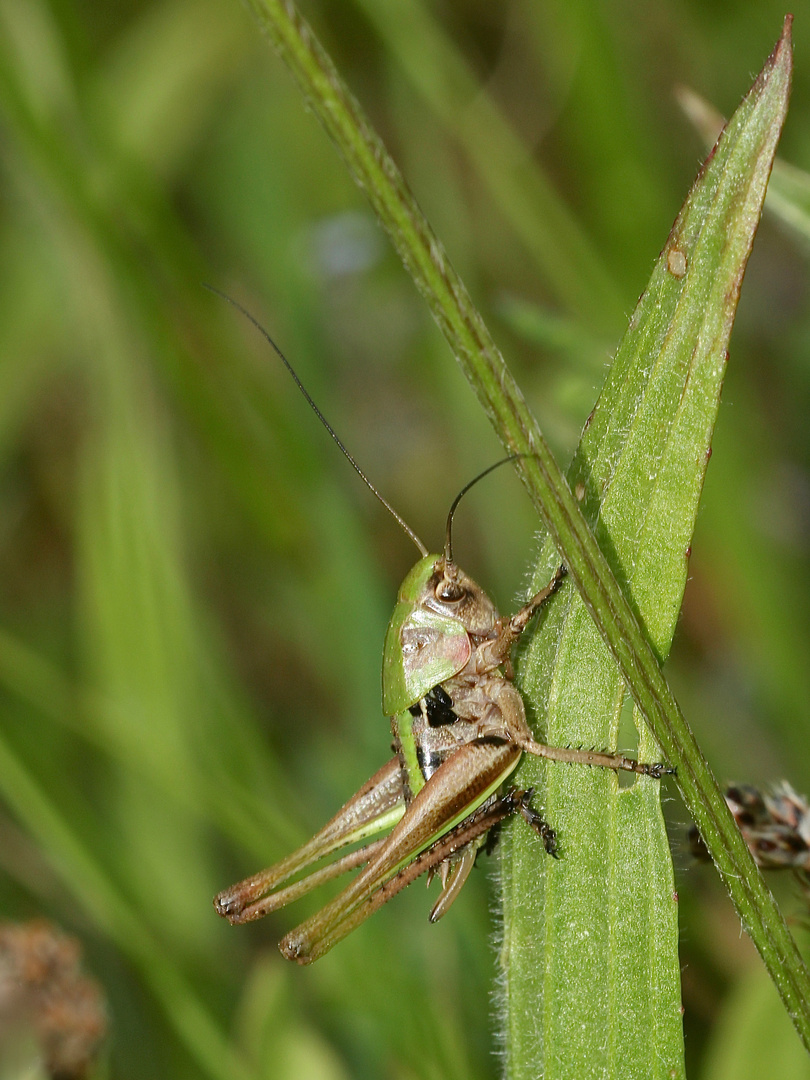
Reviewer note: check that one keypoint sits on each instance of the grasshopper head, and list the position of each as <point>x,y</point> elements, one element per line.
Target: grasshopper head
<point>451,592</point>
<point>439,609</point>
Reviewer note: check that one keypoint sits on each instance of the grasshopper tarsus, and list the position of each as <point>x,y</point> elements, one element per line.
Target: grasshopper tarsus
<point>536,822</point>
<point>657,769</point>
<point>560,575</point>
<point>654,769</point>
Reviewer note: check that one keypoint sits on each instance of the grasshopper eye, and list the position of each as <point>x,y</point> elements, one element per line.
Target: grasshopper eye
<point>449,592</point>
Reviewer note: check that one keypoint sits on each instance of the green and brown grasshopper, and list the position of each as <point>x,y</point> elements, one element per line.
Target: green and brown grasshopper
<point>459,730</point>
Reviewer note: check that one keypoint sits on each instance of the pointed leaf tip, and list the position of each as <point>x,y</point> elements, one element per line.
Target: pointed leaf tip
<point>784,45</point>
<point>780,62</point>
<point>778,66</point>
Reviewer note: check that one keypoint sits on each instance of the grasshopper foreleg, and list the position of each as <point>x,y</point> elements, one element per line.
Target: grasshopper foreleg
<point>519,621</point>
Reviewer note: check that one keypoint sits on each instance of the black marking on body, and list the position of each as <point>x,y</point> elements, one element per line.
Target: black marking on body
<point>437,706</point>
<point>428,761</point>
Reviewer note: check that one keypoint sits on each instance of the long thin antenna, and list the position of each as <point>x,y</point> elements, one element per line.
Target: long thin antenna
<point>401,521</point>
<point>448,543</point>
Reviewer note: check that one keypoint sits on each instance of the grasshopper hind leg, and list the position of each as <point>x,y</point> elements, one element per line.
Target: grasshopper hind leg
<point>454,808</point>
<point>454,872</point>
<point>376,807</point>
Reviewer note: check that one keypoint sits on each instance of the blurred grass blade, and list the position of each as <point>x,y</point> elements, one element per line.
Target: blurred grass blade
<point>789,197</point>
<point>753,1038</point>
<point>573,271</point>
<point>789,188</point>
<point>739,169</point>
<point>204,1040</point>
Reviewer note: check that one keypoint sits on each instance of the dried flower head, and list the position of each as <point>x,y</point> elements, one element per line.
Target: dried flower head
<point>45,999</point>
<point>775,826</point>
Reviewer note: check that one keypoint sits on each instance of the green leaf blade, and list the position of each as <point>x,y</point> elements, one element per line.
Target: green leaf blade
<point>596,991</point>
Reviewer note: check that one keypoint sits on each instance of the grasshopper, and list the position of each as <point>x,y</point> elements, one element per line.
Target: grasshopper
<point>459,730</point>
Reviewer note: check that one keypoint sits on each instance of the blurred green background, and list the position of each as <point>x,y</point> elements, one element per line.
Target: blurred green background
<point>194,588</point>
